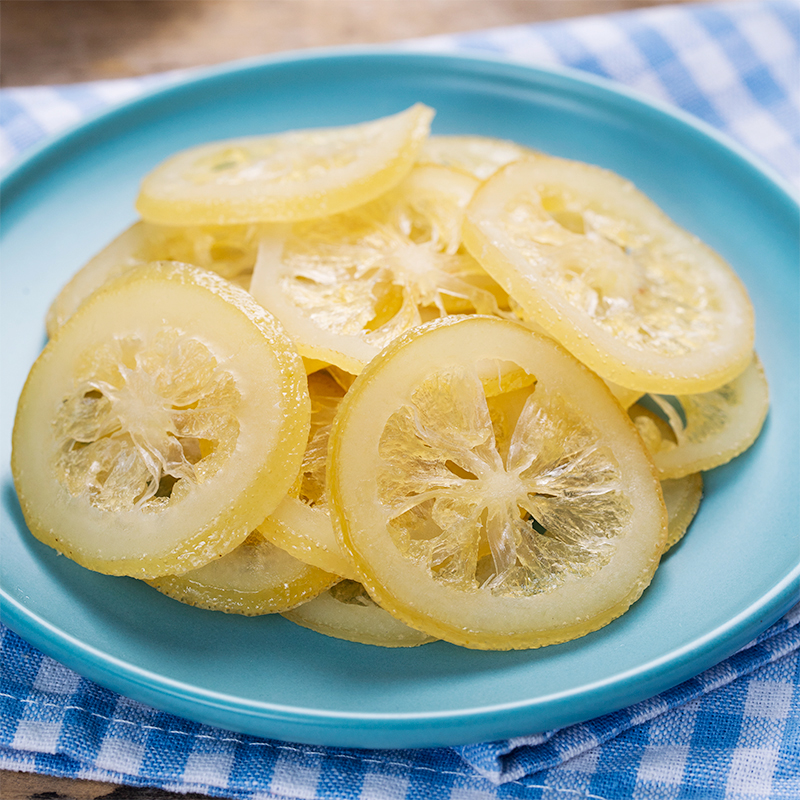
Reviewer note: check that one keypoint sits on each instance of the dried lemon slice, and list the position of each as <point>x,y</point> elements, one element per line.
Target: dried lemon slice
<point>164,421</point>
<point>606,273</point>
<point>512,540</point>
<point>346,285</point>
<point>698,432</point>
<point>301,524</point>
<point>682,498</point>
<point>481,156</point>
<point>228,250</point>
<point>255,578</point>
<point>346,611</point>
<point>288,176</point>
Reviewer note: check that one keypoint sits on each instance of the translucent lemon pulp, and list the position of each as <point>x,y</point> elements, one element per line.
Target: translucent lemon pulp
<point>597,265</point>
<point>346,285</point>
<point>289,176</point>
<point>480,156</point>
<point>523,519</point>
<point>163,422</point>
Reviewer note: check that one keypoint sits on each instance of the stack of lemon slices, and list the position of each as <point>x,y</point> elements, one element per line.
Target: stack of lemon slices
<point>394,386</point>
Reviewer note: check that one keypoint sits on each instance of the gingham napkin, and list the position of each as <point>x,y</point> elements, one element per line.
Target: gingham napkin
<point>732,732</point>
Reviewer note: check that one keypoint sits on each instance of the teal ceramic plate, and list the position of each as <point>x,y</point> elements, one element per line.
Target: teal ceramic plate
<point>735,573</point>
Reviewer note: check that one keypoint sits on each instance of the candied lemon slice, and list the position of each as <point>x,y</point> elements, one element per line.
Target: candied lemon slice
<point>228,250</point>
<point>346,611</point>
<point>698,432</point>
<point>164,421</point>
<point>538,533</point>
<point>284,177</point>
<point>255,578</point>
<point>481,156</point>
<point>682,498</point>
<point>346,285</point>
<point>301,524</point>
<point>599,266</point>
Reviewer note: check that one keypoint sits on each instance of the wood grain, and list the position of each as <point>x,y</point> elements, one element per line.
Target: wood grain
<point>62,41</point>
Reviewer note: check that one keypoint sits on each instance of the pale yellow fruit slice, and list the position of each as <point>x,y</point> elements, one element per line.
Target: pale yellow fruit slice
<point>255,578</point>
<point>710,429</point>
<point>228,250</point>
<point>346,285</point>
<point>599,266</point>
<point>301,524</point>
<point>481,156</point>
<point>682,498</point>
<point>165,420</point>
<point>536,535</point>
<point>346,611</point>
<point>284,177</point>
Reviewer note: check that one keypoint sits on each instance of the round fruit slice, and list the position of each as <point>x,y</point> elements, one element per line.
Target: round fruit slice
<point>228,250</point>
<point>347,612</point>
<point>255,578</point>
<point>165,420</point>
<point>682,498</point>
<point>346,285</point>
<point>284,177</point>
<point>481,156</point>
<point>593,261</point>
<point>697,432</point>
<point>485,523</point>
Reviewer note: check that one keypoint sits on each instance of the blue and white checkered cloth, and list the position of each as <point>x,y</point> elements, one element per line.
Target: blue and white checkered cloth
<point>732,732</point>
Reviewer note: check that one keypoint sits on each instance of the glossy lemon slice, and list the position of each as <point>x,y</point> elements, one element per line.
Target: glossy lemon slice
<point>163,422</point>
<point>487,523</point>
<point>682,498</point>
<point>228,250</point>
<point>255,578</point>
<point>346,611</point>
<point>595,263</point>
<point>346,285</point>
<point>481,156</point>
<point>301,524</point>
<point>697,432</point>
<point>288,176</point>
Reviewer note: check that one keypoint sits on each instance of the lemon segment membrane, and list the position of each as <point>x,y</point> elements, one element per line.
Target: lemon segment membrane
<point>602,269</point>
<point>165,420</point>
<point>284,177</point>
<point>511,526</point>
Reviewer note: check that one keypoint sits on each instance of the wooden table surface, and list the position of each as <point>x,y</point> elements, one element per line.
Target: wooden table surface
<point>62,41</point>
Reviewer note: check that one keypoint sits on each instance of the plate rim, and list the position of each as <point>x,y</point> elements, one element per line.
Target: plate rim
<point>141,684</point>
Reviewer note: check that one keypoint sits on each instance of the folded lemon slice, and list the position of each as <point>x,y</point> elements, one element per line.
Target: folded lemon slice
<point>346,611</point>
<point>301,524</point>
<point>489,522</point>
<point>255,578</point>
<point>697,432</point>
<point>163,422</point>
<point>288,176</point>
<point>682,498</point>
<point>228,250</point>
<point>481,156</point>
<point>346,285</point>
<point>601,268</point>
